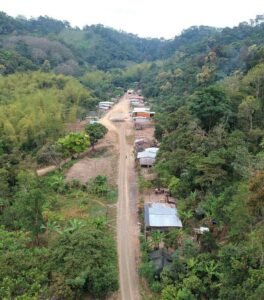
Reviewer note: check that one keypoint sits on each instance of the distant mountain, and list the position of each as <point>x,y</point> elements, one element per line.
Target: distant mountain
<point>48,43</point>
<point>27,44</point>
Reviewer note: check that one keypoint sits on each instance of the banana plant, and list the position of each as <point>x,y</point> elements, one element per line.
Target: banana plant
<point>51,226</point>
<point>74,225</point>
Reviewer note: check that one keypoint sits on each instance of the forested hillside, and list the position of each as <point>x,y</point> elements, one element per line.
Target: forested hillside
<point>28,44</point>
<point>207,87</point>
<point>210,98</point>
<point>55,240</point>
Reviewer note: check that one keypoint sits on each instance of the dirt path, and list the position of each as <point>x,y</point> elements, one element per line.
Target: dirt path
<point>127,228</point>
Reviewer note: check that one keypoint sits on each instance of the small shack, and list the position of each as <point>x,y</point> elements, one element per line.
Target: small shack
<point>146,161</point>
<point>105,105</point>
<point>145,114</point>
<point>141,122</point>
<point>148,152</point>
<point>136,97</point>
<point>136,102</point>
<point>141,109</point>
<point>161,216</point>
<point>148,156</point>
<point>142,143</point>
<point>152,150</point>
<point>91,119</point>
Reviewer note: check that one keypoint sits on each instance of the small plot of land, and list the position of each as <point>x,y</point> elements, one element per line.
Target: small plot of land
<point>145,132</point>
<point>83,205</point>
<point>101,161</point>
<point>70,200</point>
<point>88,168</point>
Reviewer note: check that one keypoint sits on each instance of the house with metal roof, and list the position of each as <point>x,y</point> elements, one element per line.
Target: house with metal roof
<point>146,154</point>
<point>147,161</point>
<point>141,122</point>
<point>152,149</point>
<point>161,216</point>
<point>145,114</point>
<point>141,109</point>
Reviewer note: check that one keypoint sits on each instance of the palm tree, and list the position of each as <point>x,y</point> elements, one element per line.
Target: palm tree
<point>157,237</point>
<point>211,269</point>
<point>191,263</point>
<point>186,215</point>
<point>51,226</point>
<point>74,225</point>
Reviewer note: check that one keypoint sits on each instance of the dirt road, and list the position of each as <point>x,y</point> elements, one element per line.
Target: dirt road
<point>127,229</point>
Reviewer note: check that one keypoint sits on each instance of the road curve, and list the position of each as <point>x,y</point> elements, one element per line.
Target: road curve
<point>127,229</point>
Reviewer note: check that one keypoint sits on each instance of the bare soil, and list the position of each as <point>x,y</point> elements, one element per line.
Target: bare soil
<point>100,161</point>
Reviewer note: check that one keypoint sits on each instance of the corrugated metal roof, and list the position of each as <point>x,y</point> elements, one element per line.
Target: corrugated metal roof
<point>141,121</point>
<point>161,215</point>
<point>139,109</point>
<point>146,154</point>
<point>152,149</point>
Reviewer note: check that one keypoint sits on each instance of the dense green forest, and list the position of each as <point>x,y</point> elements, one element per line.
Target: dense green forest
<point>207,87</point>
<point>55,240</point>
<point>209,97</point>
<point>27,44</point>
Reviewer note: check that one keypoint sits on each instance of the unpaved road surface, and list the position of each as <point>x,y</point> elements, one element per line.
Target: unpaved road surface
<point>127,228</point>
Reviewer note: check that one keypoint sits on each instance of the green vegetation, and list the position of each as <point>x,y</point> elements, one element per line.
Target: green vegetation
<point>95,131</point>
<point>60,232</point>
<point>207,89</point>
<point>34,108</point>
<point>74,143</point>
<point>210,126</point>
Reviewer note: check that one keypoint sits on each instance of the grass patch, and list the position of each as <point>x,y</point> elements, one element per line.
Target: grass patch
<point>67,200</point>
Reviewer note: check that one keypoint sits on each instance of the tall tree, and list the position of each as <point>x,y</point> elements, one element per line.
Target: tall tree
<point>74,143</point>
<point>95,131</point>
<point>210,105</point>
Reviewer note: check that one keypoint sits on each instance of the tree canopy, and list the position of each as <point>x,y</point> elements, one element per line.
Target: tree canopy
<point>95,131</point>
